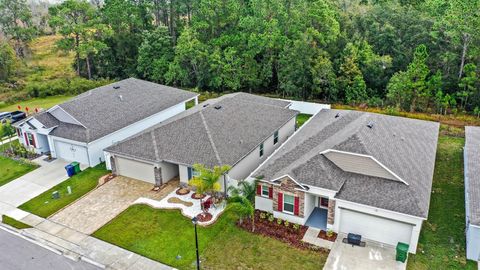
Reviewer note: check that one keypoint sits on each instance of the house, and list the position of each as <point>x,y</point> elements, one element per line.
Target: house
<point>353,172</point>
<point>472,191</point>
<point>240,130</point>
<point>79,129</point>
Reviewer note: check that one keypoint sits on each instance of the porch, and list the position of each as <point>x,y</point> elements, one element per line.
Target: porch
<point>318,218</point>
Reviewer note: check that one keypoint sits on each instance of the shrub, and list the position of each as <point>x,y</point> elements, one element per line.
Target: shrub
<point>296,226</point>
<point>263,215</point>
<point>270,218</point>
<point>279,221</point>
<point>63,86</point>
<point>286,223</point>
<point>329,233</point>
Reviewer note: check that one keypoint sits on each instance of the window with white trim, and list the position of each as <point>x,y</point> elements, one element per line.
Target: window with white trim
<point>288,203</point>
<point>261,150</point>
<point>30,138</point>
<point>275,137</point>
<point>265,191</point>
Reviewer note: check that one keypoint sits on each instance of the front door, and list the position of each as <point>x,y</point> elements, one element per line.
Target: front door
<point>322,202</point>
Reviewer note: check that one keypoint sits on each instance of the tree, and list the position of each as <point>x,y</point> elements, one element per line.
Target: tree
<point>6,129</point>
<point>351,77</point>
<point>468,83</point>
<point>245,189</point>
<point>155,55</point>
<point>16,23</point>
<point>8,61</point>
<point>207,179</point>
<point>243,207</point>
<point>78,23</point>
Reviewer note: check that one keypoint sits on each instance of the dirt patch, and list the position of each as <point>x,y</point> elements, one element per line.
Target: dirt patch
<point>179,201</point>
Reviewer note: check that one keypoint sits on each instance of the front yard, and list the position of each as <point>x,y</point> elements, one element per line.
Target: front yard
<point>442,240</point>
<point>12,169</point>
<point>168,237</point>
<point>44,205</point>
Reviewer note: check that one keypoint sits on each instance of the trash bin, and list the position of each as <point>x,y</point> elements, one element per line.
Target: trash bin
<point>402,252</point>
<point>70,170</point>
<point>76,167</point>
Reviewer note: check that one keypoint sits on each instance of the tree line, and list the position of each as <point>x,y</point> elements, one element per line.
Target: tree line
<point>415,55</point>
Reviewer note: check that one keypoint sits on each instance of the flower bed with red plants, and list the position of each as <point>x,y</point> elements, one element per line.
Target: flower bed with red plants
<point>267,225</point>
<point>204,217</point>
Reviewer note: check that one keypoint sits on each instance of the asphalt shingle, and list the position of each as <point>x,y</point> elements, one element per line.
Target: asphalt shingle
<point>472,173</point>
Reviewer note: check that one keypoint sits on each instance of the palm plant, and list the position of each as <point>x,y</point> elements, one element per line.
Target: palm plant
<point>207,179</point>
<point>243,207</point>
<point>245,188</point>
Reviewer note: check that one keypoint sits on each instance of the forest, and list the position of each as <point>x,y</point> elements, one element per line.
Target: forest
<point>411,55</point>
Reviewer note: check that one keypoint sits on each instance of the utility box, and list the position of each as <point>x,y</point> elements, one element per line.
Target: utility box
<point>55,195</point>
<point>402,252</point>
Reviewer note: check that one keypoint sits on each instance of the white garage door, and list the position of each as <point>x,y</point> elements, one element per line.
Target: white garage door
<point>135,169</point>
<point>71,152</point>
<point>375,228</point>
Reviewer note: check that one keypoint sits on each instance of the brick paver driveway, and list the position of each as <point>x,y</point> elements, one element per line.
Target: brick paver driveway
<point>101,205</point>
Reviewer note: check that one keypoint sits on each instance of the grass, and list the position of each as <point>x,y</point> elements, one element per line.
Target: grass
<point>44,103</point>
<point>190,104</point>
<point>302,118</point>
<point>43,205</point>
<point>14,223</point>
<point>162,235</point>
<point>442,239</point>
<point>12,169</point>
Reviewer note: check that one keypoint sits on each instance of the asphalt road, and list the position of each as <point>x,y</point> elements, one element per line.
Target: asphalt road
<point>17,253</point>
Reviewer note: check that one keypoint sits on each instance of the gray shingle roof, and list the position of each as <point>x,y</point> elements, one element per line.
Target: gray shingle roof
<point>405,146</point>
<point>106,109</point>
<point>472,173</point>
<point>208,135</point>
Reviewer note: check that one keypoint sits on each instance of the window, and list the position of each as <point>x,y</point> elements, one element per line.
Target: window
<point>288,203</point>
<point>31,141</point>
<point>265,191</point>
<point>261,150</point>
<point>192,173</point>
<point>275,137</point>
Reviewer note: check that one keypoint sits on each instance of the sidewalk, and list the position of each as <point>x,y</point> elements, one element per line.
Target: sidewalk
<point>79,246</point>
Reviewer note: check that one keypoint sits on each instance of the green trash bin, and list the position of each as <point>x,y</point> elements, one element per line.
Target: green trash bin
<point>76,167</point>
<point>402,252</point>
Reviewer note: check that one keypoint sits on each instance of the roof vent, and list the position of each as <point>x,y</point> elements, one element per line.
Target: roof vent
<point>205,105</point>
<point>120,97</point>
<point>337,115</point>
<point>370,125</point>
<point>218,107</point>
<point>116,87</point>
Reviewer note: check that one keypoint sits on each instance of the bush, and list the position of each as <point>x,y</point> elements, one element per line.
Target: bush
<point>64,86</point>
<point>296,226</point>
<point>270,218</point>
<point>286,223</point>
<point>263,215</point>
<point>279,221</point>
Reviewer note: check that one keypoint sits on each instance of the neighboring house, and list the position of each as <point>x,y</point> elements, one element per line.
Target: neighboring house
<point>240,130</point>
<point>79,129</point>
<point>353,172</point>
<point>472,191</point>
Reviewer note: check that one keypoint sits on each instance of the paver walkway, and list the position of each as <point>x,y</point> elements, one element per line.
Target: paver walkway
<point>98,207</point>
<point>374,256</point>
<point>311,237</point>
<point>34,183</point>
<point>79,246</point>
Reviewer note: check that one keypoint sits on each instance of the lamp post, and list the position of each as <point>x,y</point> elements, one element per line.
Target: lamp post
<point>195,221</point>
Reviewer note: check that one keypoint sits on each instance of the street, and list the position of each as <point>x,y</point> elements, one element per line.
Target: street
<point>17,253</point>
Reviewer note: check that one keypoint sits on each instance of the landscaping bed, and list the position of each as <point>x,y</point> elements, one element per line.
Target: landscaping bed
<point>282,230</point>
<point>325,235</point>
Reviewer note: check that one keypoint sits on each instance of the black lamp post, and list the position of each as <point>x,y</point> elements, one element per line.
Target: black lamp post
<point>195,221</point>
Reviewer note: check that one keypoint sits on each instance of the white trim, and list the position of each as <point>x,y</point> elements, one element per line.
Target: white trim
<point>367,156</point>
<point>287,175</point>
<point>293,204</point>
<point>376,208</point>
<point>261,191</point>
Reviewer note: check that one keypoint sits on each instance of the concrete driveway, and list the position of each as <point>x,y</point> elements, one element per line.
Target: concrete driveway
<point>98,207</point>
<point>33,183</point>
<point>374,256</point>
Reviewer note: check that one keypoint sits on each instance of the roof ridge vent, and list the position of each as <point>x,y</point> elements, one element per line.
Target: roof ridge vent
<point>337,115</point>
<point>370,124</point>
<point>116,87</point>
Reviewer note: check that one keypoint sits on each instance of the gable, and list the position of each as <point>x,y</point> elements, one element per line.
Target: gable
<point>361,164</point>
<point>63,116</point>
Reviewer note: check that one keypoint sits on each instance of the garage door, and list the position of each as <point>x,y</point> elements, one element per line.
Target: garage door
<point>135,169</point>
<point>71,152</point>
<point>375,228</point>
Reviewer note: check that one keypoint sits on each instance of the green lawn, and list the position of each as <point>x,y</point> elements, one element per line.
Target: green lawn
<point>442,239</point>
<point>14,223</point>
<point>302,118</point>
<point>43,205</point>
<point>12,169</point>
<point>33,103</point>
<point>162,235</point>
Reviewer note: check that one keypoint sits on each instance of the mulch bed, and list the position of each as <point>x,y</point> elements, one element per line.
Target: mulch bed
<point>204,217</point>
<point>281,232</point>
<point>323,234</point>
<point>198,196</point>
<point>182,191</point>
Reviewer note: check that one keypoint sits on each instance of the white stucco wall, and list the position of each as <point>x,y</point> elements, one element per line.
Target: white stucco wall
<point>264,204</point>
<point>473,242</point>
<point>243,168</point>
<point>169,171</point>
<point>41,142</point>
<point>309,204</point>
<point>183,173</point>
<point>290,218</point>
<point>415,221</point>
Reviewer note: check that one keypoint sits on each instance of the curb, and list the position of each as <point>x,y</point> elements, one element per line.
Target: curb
<point>29,238</point>
<point>90,261</point>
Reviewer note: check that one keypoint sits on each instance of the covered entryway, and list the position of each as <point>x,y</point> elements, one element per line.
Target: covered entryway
<point>71,152</point>
<point>318,219</point>
<point>375,228</point>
